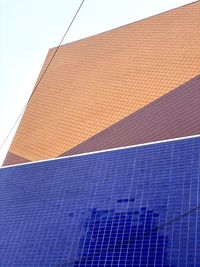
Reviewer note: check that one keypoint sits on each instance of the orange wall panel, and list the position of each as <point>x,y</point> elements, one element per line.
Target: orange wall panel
<point>95,82</point>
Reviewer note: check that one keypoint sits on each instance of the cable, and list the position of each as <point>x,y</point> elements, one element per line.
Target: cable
<point>39,81</point>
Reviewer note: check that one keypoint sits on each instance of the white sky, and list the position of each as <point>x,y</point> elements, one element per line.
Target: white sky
<point>28,28</point>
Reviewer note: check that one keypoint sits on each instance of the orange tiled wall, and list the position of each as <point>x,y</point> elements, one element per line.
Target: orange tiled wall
<point>95,82</point>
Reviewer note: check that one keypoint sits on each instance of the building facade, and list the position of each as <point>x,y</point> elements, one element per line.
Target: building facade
<point>106,160</point>
<point>123,87</point>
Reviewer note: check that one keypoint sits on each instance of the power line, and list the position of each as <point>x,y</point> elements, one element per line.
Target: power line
<point>39,81</point>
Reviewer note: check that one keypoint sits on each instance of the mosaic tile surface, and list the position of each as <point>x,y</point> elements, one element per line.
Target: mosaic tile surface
<point>173,115</point>
<point>96,82</point>
<point>131,207</point>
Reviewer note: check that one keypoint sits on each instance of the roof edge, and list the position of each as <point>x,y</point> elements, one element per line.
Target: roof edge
<point>113,29</point>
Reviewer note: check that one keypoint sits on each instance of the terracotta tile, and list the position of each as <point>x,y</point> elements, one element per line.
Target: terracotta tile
<point>175,114</point>
<point>95,82</point>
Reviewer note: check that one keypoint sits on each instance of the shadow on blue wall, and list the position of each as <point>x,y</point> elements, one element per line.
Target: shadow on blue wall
<point>122,238</point>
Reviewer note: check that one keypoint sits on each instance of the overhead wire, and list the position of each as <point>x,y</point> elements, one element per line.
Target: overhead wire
<point>40,79</point>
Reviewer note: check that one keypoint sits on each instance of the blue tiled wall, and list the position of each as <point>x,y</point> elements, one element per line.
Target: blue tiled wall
<point>130,207</point>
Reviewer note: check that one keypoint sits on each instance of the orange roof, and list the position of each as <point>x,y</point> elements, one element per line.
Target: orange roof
<point>95,82</point>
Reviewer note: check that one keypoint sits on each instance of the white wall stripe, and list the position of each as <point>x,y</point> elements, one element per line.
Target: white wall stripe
<point>102,151</point>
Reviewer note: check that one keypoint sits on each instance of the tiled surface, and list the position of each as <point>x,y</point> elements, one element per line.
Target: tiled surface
<point>95,82</point>
<point>173,115</point>
<point>132,207</point>
<point>12,159</point>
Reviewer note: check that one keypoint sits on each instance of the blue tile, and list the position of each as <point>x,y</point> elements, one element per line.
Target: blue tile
<point>132,207</point>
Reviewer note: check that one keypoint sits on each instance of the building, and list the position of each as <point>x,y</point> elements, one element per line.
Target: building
<point>123,87</point>
<point>137,206</point>
<point>131,98</point>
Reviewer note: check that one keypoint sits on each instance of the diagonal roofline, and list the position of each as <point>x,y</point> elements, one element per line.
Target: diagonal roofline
<point>134,22</point>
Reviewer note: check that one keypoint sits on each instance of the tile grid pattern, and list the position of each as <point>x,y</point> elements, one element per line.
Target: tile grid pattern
<point>95,82</point>
<point>119,208</point>
<point>174,115</point>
